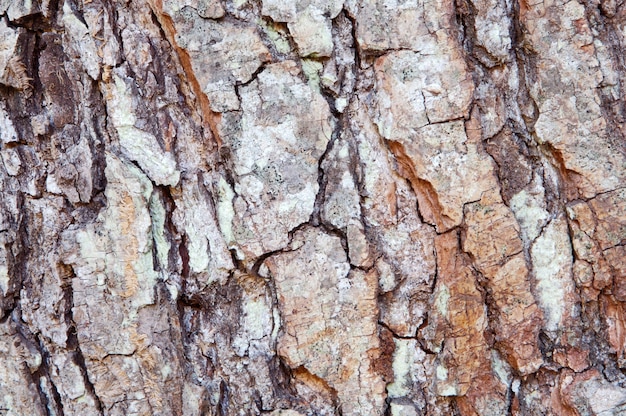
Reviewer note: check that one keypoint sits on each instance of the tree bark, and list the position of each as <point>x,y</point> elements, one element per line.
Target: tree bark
<point>329,207</point>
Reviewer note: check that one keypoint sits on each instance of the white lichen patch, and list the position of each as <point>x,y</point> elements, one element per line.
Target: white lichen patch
<point>7,130</point>
<point>222,55</point>
<point>529,209</point>
<point>80,35</point>
<point>285,128</point>
<point>209,257</point>
<point>415,90</point>
<point>225,210</point>
<point>501,368</point>
<point>113,262</point>
<point>138,145</point>
<point>407,367</point>
<point>4,274</point>
<point>493,27</point>
<point>551,256</point>
<point>309,22</point>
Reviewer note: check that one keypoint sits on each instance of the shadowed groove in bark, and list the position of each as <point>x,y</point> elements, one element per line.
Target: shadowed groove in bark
<point>428,201</point>
<point>73,345</point>
<point>207,114</point>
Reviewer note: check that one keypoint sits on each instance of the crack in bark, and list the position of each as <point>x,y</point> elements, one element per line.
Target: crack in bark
<point>73,343</point>
<point>52,405</point>
<point>428,200</point>
<point>210,118</point>
<point>522,114</point>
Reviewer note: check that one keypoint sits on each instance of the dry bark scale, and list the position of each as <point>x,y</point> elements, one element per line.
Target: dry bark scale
<point>312,207</point>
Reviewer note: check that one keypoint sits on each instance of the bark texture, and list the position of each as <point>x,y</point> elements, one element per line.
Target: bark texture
<point>312,207</point>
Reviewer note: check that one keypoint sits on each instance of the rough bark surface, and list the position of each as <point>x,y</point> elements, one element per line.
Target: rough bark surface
<point>312,207</point>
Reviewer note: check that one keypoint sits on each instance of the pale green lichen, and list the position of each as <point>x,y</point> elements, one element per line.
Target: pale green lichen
<point>445,387</point>
<point>442,373</point>
<point>441,301</point>
<point>402,361</point>
<point>276,35</point>
<point>312,69</point>
<point>198,247</point>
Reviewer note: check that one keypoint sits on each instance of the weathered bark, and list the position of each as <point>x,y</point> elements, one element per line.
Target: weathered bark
<point>324,207</point>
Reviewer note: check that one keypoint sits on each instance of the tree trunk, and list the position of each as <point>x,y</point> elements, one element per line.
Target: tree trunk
<point>329,207</point>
